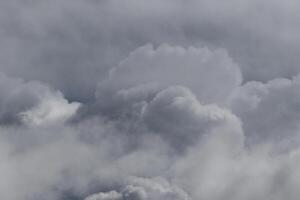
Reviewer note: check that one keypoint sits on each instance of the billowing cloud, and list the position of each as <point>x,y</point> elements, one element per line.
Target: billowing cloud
<point>269,111</point>
<point>82,40</point>
<point>210,74</point>
<point>172,91</point>
<point>32,103</point>
<point>143,188</point>
<point>149,100</point>
<point>179,117</point>
<point>217,171</point>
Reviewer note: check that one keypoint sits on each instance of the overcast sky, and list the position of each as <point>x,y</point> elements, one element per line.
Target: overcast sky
<point>149,100</point>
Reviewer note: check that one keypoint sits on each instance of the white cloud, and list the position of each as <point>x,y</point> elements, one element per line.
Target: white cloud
<point>141,189</point>
<point>52,109</point>
<point>32,103</point>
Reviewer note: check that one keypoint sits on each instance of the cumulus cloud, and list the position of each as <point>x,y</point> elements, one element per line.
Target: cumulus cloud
<point>179,117</point>
<point>143,188</point>
<point>210,74</point>
<point>82,40</point>
<point>149,100</point>
<point>172,91</point>
<point>269,111</point>
<point>32,103</point>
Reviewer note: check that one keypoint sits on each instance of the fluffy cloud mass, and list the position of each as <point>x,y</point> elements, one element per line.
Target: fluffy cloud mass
<point>277,102</point>
<point>32,103</point>
<point>211,75</point>
<point>140,100</point>
<point>142,188</point>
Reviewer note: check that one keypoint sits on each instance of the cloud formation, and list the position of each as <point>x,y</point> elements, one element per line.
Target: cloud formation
<point>142,188</point>
<point>276,102</point>
<point>149,100</point>
<point>32,103</point>
<point>73,44</point>
<point>210,74</point>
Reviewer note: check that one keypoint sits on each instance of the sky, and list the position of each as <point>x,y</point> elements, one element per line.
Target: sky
<point>149,100</point>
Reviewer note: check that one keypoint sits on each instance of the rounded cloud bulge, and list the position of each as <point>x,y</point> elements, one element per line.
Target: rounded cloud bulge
<point>178,93</point>
<point>210,74</point>
<point>137,188</point>
<point>269,111</point>
<point>32,103</point>
<point>167,123</point>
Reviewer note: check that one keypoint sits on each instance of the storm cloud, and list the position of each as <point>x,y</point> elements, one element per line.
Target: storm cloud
<point>149,100</point>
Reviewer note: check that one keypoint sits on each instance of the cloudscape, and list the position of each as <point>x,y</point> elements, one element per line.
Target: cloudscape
<point>149,100</point>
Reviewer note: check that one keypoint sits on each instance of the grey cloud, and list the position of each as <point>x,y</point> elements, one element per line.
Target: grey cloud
<point>72,44</point>
<point>108,150</point>
<point>210,74</point>
<point>178,116</point>
<point>203,95</point>
<point>50,160</point>
<point>138,92</point>
<point>216,170</point>
<point>269,111</point>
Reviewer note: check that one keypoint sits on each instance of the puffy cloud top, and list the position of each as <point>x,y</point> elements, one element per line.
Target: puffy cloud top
<point>32,103</point>
<point>142,189</point>
<point>269,111</point>
<point>210,74</point>
<point>149,100</point>
<point>180,117</point>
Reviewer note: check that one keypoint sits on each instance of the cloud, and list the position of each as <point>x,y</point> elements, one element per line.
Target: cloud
<point>32,103</point>
<point>149,100</point>
<point>179,116</point>
<point>143,188</point>
<point>210,74</point>
<point>158,89</point>
<point>159,125</point>
<point>269,111</point>
<point>108,147</point>
<point>214,170</point>
<point>84,40</point>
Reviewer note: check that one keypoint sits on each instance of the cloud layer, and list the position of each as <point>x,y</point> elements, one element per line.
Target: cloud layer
<point>139,100</point>
<point>73,44</point>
